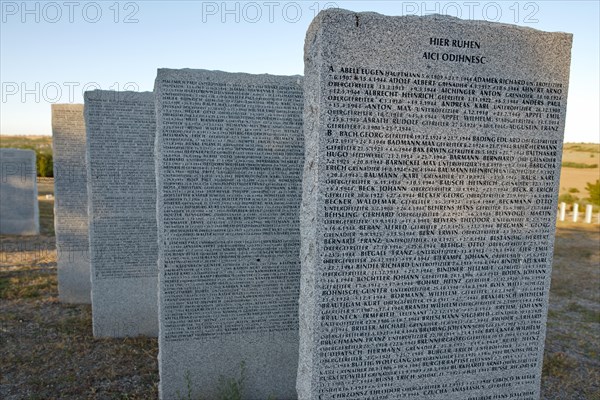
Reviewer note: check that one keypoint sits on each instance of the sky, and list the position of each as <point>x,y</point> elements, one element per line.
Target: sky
<point>52,51</point>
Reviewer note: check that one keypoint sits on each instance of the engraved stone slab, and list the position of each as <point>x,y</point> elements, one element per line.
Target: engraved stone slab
<point>120,129</point>
<point>19,213</point>
<point>70,204</point>
<point>429,205</point>
<point>229,154</point>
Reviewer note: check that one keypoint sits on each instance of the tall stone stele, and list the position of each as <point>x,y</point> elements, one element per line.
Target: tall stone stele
<point>19,212</point>
<point>71,203</point>
<point>121,184</point>
<point>229,155</point>
<point>433,152</point>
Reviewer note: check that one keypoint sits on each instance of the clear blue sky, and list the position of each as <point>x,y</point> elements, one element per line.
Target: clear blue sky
<point>51,51</point>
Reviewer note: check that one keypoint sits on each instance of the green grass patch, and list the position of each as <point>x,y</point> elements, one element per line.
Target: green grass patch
<point>552,314</point>
<point>558,365</point>
<point>228,388</point>
<point>232,388</point>
<point>75,325</point>
<point>583,147</point>
<point>46,208</point>
<point>571,164</point>
<point>26,286</point>
<point>587,315</point>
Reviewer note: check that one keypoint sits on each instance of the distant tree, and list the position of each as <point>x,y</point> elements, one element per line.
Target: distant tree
<point>567,198</point>
<point>594,191</point>
<point>44,164</point>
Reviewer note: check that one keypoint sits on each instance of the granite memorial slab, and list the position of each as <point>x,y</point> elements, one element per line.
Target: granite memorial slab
<point>70,204</point>
<point>433,155</point>
<point>121,184</point>
<point>229,155</point>
<point>19,213</point>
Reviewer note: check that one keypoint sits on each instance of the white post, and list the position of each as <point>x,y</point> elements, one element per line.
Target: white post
<point>563,210</point>
<point>575,212</point>
<point>588,214</point>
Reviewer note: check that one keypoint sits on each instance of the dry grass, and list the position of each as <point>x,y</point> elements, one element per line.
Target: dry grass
<point>47,350</point>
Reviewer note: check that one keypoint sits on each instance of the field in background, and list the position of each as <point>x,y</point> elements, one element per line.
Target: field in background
<point>41,143</point>
<point>576,178</point>
<point>47,349</point>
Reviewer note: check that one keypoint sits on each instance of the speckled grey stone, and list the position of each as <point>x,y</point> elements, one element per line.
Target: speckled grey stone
<point>120,129</point>
<point>433,152</point>
<point>229,151</point>
<point>70,204</point>
<point>19,214</point>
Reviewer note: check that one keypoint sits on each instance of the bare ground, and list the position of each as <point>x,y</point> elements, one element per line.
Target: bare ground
<point>47,350</point>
